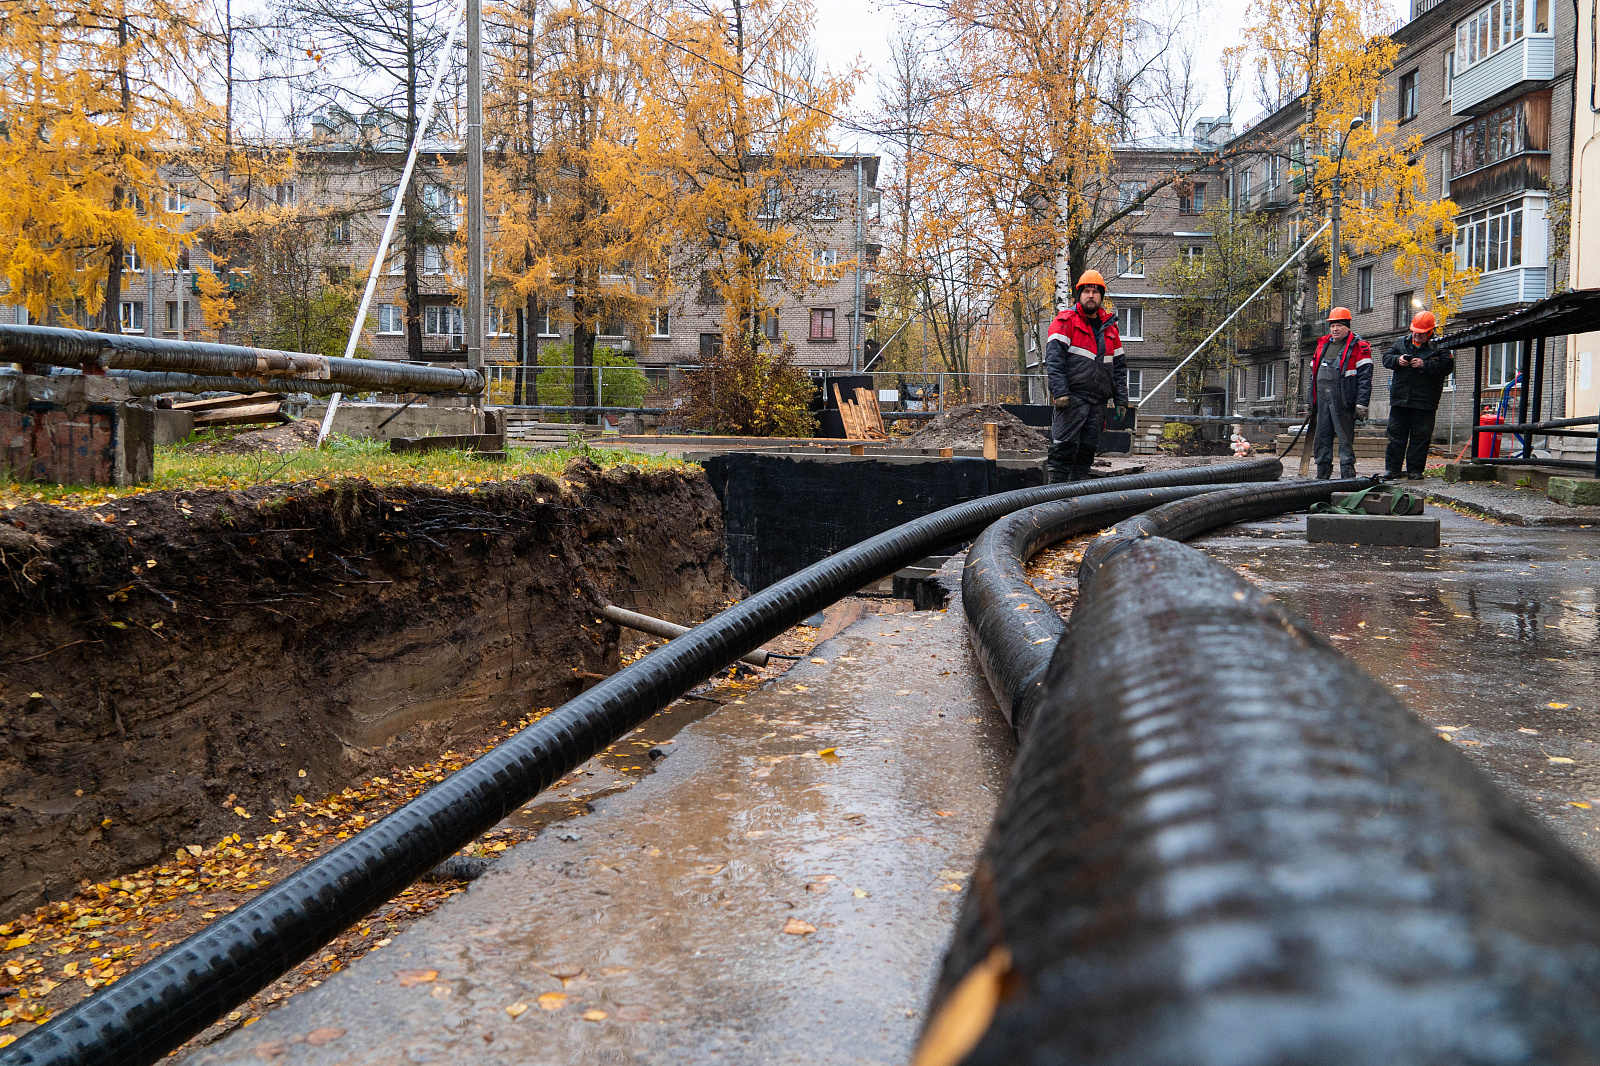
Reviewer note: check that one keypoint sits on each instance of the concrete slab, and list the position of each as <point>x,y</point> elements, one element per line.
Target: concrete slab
<point>1518,507</point>
<point>844,804</point>
<point>1400,531</point>
<point>1573,491</point>
<point>1468,472</point>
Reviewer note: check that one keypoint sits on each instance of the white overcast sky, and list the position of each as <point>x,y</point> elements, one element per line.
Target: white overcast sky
<point>848,28</point>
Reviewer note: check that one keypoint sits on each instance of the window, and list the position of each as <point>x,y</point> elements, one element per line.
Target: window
<point>874,204</point>
<point>1500,24</point>
<point>1194,255</point>
<point>391,318</point>
<point>433,260</point>
<point>1130,261</point>
<point>771,201</point>
<point>541,323</point>
<point>387,196</point>
<point>338,274</point>
<point>131,260</point>
<point>497,322</point>
<point>172,316</point>
<point>1274,172</point>
<point>822,323</point>
<point>441,201</point>
<point>1267,382</point>
<point>1245,178</point>
<point>1408,96</point>
<point>443,320</point>
<point>1364,289</point>
<point>285,194</point>
<point>660,323</point>
<point>710,345</point>
<point>1402,311</point>
<point>1135,385</point>
<point>1500,366</point>
<point>1449,59</point>
<point>1192,198</point>
<point>826,263</point>
<point>1241,383</point>
<point>133,316</point>
<point>1128,193</point>
<point>825,203</point>
<point>397,261</point>
<point>339,231</point>
<point>1520,126</point>
<point>177,199</point>
<point>1130,323</point>
<point>612,326</point>
<point>1490,240</point>
<point>770,325</point>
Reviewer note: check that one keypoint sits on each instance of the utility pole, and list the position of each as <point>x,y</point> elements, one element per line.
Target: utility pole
<point>474,309</point>
<point>857,334</point>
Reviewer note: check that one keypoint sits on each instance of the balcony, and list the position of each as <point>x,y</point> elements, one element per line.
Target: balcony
<point>1528,171</point>
<point>1506,288</point>
<point>1514,69</point>
<point>873,296</point>
<point>1266,337</point>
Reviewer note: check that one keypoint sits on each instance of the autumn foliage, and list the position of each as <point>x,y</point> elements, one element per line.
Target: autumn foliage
<point>746,391</point>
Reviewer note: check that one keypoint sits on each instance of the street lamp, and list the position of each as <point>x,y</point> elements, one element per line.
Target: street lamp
<point>1333,268</point>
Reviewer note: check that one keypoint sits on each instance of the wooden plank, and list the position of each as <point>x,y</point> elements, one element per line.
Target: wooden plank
<point>217,402</point>
<point>239,416</point>
<point>872,414</point>
<point>847,415</point>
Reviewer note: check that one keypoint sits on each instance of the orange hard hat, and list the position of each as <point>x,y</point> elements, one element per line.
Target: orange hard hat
<point>1090,277</point>
<point>1339,314</point>
<point>1424,322</point>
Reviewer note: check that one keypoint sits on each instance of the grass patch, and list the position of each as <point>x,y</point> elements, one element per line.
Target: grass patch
<point>178,467</point>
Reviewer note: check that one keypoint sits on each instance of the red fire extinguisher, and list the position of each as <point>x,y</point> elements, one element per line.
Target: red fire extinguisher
<point>1489,443</point>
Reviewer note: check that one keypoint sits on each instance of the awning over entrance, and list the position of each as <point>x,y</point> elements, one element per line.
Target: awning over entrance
<point>1569,312</point>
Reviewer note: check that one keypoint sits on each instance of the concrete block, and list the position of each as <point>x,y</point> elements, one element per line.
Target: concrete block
<point>1468,472</point>
<point>1401,531</point>
<point>467,442</point>
<point>1574,491</point>
<point>173,427</point>
<point>75,429</point>
<point>1382,503</point>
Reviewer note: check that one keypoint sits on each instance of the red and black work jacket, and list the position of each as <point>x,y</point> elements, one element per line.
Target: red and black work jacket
<point>1355,365</point>
<point>1083,358</point>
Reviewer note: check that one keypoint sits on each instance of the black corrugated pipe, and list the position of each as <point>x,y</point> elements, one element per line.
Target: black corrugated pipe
<point>1223,843</point>
<point>1014,630</point>
<point>169,999</point>
<point>120,351</point>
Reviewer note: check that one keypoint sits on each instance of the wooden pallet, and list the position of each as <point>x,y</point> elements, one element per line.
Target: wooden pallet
<point>863,418</point>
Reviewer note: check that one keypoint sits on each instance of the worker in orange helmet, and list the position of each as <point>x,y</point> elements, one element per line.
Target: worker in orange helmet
<point>1341,386</point>
<point>1085,366</point>
<point>1420,371</point>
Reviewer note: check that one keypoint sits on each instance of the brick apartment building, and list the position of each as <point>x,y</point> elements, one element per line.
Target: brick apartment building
<point>344,184</point>
<point>1490,89</point>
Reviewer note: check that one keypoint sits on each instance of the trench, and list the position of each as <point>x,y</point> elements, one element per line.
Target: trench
<point>173,659</point>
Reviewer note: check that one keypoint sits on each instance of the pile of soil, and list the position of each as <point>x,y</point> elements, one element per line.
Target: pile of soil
<point>171,656</point>
<point>248,440</point>
<point>962,427</point>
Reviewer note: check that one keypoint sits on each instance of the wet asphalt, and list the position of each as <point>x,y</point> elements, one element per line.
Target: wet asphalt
<point>845,803</point>
<point>780,889</point>
<point>1493,638</point>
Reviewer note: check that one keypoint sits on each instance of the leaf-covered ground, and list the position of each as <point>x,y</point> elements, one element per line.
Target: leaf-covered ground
<point>199,465</point>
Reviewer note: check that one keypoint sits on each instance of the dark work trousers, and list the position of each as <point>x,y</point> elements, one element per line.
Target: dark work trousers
<point>1410,433</point>
<point>1074,439</point>
<point>1335,419</point>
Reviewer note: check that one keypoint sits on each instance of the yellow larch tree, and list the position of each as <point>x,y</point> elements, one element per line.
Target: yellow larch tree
<point>96,101</point>
<point>733,124</point>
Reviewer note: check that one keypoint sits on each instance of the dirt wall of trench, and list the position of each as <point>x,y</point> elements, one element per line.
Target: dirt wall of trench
<point>174,655</point>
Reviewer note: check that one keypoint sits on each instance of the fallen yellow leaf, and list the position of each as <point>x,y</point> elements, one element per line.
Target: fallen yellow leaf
<point>240,811</point>
<point>553,1001</point>
<point>795,927</point>
<point>1562,759</point>
<point>408,978</point>
<point>1556,706</point>
<point>595,1015</point>
<point>1580,806</point>
<point>820,662</point>
<point>517,1010</point>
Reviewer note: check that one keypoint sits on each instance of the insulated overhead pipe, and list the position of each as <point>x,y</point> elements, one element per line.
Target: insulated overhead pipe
<point>174,996</point>
<point>159,382</point>
<point>111,351</point>
<point>1224,843</point>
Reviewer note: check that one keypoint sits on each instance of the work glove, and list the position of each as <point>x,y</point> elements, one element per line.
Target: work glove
<point>1062,401</point>
<point>1122,412</point>
<point>1361,413</point>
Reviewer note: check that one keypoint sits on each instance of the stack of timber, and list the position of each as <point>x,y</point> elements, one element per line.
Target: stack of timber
<point>525,429</point>
<point>246,410</point>
<point>863,419</point>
